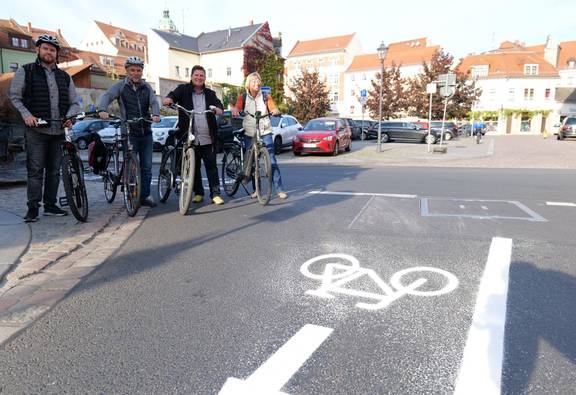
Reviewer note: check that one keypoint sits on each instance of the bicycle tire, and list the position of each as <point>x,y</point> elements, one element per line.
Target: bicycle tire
<point>263,176</point>
<point>110,176</point>
<point>131,181</point>
<point>166,175</point>
<point>231,172</point>
<point>73,180</point>
<point>187,179</point>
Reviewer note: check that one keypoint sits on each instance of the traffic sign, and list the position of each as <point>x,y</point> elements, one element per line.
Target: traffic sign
<point>431,88</point>
<point>363,93</point>
<point>266,90</point>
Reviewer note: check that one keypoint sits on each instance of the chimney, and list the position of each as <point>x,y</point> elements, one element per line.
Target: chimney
<point>551,51</point>
<point>59,33</point>
<point>29,27</point>
<point>251,22</point>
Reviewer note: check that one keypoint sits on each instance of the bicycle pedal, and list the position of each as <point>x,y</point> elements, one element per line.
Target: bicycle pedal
<point>63,200</point>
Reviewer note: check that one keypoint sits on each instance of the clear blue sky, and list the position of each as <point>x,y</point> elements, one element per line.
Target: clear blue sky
<point>461,27</point>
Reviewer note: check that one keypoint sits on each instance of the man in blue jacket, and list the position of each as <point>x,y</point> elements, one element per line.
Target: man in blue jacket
<point>136,99</point>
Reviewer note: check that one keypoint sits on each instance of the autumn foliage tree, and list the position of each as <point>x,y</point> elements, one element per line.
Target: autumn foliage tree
<point>393,94</point>
<point>310,96</point>
<point>417,100</point>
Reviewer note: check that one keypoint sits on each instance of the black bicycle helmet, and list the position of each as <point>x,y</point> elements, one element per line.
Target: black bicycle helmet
<point>134,61</point>
<point>48,39</point>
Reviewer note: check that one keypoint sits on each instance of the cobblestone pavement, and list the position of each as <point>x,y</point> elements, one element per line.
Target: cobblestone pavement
<point>61,252</point>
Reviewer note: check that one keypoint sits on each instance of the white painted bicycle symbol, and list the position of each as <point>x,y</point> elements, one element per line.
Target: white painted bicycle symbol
<point>337,276</point>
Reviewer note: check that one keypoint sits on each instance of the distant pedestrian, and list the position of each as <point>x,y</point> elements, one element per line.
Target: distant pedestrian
<point>42,90</point>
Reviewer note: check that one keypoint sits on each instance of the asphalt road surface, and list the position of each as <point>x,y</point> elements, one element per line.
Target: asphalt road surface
<point>365,281</point>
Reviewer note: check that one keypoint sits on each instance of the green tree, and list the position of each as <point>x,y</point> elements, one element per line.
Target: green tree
<point>393,94</point>
<point>417,100</point>
<point>310,96</point>
<point>270,67</point>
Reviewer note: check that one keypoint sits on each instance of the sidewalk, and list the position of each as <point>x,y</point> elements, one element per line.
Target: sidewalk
<point>41,262</point>
<point>529,152</point>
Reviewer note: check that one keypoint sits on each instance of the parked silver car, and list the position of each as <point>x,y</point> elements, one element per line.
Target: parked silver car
<point>284,129</point>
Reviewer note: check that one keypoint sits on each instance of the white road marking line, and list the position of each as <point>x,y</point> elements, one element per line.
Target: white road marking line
<point>395,195</point>
<point>361,212</point>
<point>481,367</point>
<point>565,204</point>
<point>281,366</point>
<point>484,207</point>
<point>462,206</point>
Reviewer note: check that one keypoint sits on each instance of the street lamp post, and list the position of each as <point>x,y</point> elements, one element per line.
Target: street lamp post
<point>382,51</point>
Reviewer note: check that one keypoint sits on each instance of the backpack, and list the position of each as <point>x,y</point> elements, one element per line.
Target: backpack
<point>264,96</point>
<point>97,154</point>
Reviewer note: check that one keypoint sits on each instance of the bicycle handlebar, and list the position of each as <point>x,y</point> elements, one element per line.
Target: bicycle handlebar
<point>176,106</point>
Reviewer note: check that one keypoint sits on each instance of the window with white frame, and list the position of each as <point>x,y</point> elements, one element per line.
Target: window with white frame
<point>187,74</point>
<point>479,70</point>
<point>352,77</point>
<point>229,71</point>
<point>351,109</point>
<point>13,67</point>
<point>177,71</point>
<point>511,94</point>
<point>363,77</point>
<point>529,94</point>
<point>24,42</point>
<point>15,42</point>
<point>530,69</point>
<point>209,73</point>
<point>548,93</point>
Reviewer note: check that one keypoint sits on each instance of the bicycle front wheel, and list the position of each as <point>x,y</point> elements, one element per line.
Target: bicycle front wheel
<point>263,176</point>
<point>73,180</point>
<point>187,179</point>
<point>131,182</point>
<point>231,172</point>
<point>110,175</point>
<point>166,176</point>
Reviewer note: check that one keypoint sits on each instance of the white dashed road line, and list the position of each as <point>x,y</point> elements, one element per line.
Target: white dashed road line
<point>395,195</point>
<point>481,367</point>
<point>565,204</point>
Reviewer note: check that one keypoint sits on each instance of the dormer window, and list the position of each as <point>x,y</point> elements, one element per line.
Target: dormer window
<point>530,69</point>
<point>572,63</point>
<point>479,70</point>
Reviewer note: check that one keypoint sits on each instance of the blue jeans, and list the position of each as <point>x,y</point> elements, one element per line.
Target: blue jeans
<point>276,176</point>
<point>142,146</point>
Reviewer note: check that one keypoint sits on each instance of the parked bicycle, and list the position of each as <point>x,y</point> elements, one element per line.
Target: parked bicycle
<point>255,165</point>
<point>125,174</point>
<point>72,170</point>
<point>178,164</point>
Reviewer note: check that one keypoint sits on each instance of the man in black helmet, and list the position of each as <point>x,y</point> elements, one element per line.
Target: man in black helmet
<point>42,90</point>
<point>136,100</point>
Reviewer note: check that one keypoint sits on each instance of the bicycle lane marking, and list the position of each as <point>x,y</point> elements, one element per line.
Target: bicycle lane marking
<point>481,366</point>
<point>281,366</point>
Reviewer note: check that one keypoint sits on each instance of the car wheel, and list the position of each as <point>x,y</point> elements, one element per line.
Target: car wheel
<point>82,143</point>
<point>560,136</point>
<point>278,145</point>
<point>430,139</point>
<point>336,149</point>
<point>349,147</point>
<point>384,138</point>
<point>447,136</point>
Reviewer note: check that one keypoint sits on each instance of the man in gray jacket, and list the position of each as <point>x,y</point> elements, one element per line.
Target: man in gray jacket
<point>136,99</point>
<point>40,90</point>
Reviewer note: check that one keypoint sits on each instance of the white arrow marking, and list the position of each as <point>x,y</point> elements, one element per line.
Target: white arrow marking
<point>481,367</point>
<point>269,378</point>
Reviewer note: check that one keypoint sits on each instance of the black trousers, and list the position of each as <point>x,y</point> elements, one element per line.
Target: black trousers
<point>206,153</point>
<point>43,158</point>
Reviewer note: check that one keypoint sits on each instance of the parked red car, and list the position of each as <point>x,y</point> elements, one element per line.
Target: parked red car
<point>323,135</point>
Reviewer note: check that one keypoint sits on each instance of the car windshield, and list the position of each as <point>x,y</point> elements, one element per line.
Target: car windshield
<point>320,125</point>
<point>275,121</point>
<point>571,121</point>
<point>81,125</point>
<point>165,123</point>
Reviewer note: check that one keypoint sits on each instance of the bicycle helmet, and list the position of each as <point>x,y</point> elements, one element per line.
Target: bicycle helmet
<point>48,39</point>
<point>134,61</point>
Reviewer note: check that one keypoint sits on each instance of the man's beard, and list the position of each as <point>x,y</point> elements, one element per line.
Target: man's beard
<point>48,59</point>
